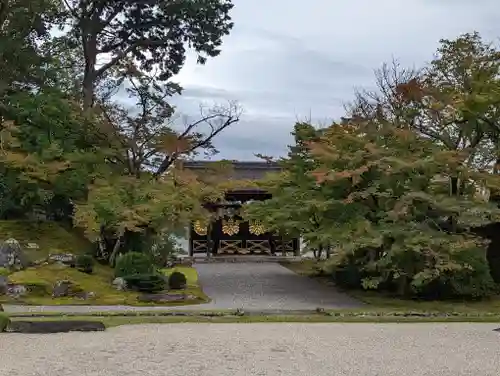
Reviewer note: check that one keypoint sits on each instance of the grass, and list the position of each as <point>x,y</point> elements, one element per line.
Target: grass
<point>193,287</point>
<point>113,321</point>
<point>379,302</point>
<point>98,282</point>
<point>50,237</point>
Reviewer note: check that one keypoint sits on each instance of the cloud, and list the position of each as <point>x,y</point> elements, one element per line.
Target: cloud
<point>285,60</point>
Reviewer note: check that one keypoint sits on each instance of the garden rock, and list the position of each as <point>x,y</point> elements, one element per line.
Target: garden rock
<point>165,298</point>
<point>120,284</point>
<point>32,246</point>
<point>187,262</point>
<point>60,265</point>
<point>55,326</point>
<point>64,258</point>
<point>85,295</point>
<point>16,291</point>
<point>12,255</point>
<point>3,284</point>
<point>64,288</point>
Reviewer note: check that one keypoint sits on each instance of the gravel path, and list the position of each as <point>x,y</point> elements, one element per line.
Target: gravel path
<point>266,286</point>
<point>251,286</point>
<point>258,349</point>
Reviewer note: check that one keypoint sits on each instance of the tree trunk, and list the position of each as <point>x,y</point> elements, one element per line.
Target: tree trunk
<point>403,285</point>
<point>318,253</point>
<point>210,240</point>
<point>88,84</point>
<point>88,93</point>
<point>116,248</point>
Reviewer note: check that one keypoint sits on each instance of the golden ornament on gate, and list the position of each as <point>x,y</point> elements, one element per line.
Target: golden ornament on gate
<point>230,227</point>
<point>257,228</point>
<point>200,228</point>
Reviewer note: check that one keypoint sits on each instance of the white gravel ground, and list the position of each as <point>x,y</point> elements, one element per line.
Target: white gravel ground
<point>258,349</point>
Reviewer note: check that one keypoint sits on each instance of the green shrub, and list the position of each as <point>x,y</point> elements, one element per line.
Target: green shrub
<point>145,282</point>
<point>177,281</point>
<point>4,321</point>
<point>133,263</point>
<point>473,281</point>
<point>411,273</point>
<point>85,263</point>
<point>4,272</point>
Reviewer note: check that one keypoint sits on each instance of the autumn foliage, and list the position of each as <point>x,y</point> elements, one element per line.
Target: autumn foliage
<point>396,191</point>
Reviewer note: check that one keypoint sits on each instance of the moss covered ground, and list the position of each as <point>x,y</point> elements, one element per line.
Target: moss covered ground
<point>49,236</point>
<point>52,239</point>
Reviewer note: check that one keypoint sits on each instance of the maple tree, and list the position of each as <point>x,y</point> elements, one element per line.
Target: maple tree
<point>375,193</point>
<point>452,101</point>
<point>285,213</point>
<point>124,204</point>
<point>387,181</point>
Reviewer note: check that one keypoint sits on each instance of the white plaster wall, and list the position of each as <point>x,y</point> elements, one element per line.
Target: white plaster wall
<point>183,241</point>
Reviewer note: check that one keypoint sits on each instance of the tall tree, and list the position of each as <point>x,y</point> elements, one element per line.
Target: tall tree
<point>124,35</point>
<point>24,24</point>
<point>43,134</point>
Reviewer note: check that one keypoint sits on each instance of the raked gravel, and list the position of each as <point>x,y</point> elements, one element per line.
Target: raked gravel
<point>455,349</point>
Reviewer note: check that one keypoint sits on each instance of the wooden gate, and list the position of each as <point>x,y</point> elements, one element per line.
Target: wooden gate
<point>238,237</point>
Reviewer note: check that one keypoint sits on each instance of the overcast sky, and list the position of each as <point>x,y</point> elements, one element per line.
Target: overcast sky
<point>293,59</point>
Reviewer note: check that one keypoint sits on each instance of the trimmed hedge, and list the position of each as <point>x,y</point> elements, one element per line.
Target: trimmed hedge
<point>177,281</point>
<point>133,263</point>
<point>85,264</point>
<point>145,282</point>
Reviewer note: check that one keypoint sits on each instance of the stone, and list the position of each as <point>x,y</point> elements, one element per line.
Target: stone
<point>32,246</point>
<point>12,255</point>
<point>85,295</point>
<point>65,258</point>
<point>54,326</point>
<point>120,284</point>
<point>4,282</point>
<point>240,312</point>
<point>187,262</point>
<point>65,288</point>
<point>39,262</point>
<point>60,265</point>
<point>165,298</point>
<point>16,291</point>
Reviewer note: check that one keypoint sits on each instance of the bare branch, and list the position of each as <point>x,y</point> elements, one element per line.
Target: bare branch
<point>218,118</point>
